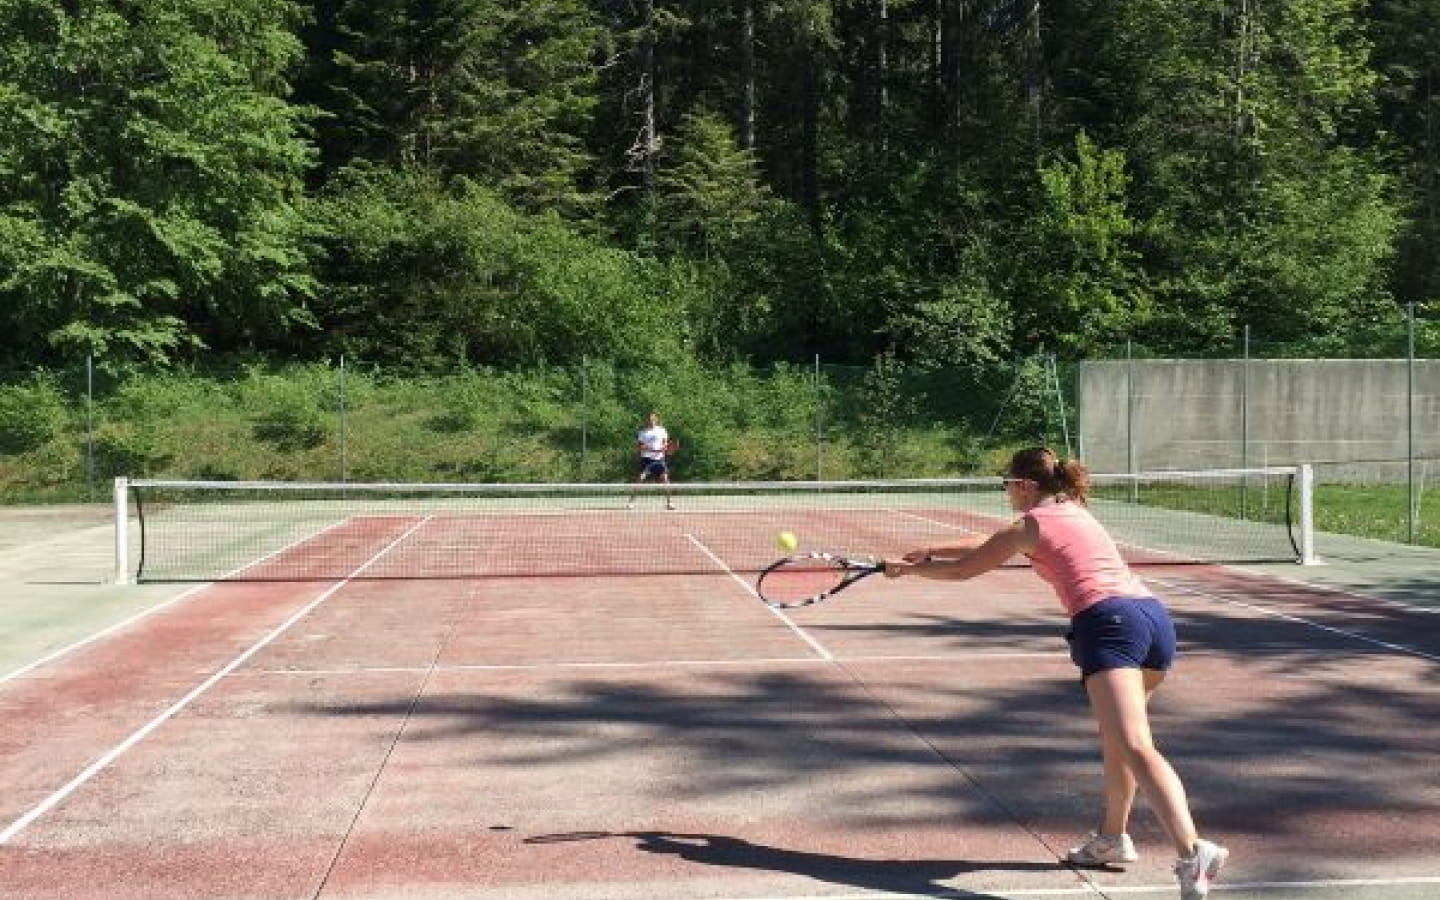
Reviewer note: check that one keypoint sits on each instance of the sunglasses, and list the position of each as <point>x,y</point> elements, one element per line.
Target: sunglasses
<point>1006,482</point>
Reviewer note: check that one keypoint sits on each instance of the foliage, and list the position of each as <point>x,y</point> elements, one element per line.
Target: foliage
<point>1407,64</point>
<point>709,189</point>
<point>1078,266</point>
<point>883,412</point>
<point>128,448</point>
<point>32,414</point>
<point>500,92</point>
<point>470,183</point>
<point>422,272</point>
<point>152,173</point>
<point>734,421</point>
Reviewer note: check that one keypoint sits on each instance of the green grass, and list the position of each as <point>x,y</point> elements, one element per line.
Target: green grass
<point>1363,510</point>
<point>1254,502</point>
<point>1378,511</point>
<point>473,426</point>
<point>550,425</point>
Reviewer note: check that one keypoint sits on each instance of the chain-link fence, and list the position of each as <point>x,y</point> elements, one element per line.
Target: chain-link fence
<point>65,434</point>
<point>1371,427</point>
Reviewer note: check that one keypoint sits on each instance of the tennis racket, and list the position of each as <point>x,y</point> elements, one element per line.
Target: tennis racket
<point>806,578</point>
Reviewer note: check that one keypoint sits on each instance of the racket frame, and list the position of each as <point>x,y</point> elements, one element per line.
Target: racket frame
<point>854,569</point>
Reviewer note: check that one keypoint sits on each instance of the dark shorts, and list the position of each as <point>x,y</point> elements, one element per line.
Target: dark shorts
<point>1122,633</point>
<point>655,467</point>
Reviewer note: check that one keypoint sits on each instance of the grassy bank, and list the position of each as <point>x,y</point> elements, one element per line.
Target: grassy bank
<point>543,425</point>
<point>60,442</point>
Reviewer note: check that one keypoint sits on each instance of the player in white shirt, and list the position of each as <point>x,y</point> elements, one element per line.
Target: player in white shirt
<point>654,445</point>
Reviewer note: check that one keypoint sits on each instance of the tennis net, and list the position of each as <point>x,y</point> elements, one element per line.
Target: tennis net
<point>218,530</point>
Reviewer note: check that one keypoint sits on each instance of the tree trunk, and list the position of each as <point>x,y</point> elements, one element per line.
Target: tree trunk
<point>953,15</point>
<point>747,74</point>
<point>1034,71</point>
<point>882,73</point>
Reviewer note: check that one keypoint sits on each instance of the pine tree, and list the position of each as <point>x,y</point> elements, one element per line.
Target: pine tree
<point>496,90</point>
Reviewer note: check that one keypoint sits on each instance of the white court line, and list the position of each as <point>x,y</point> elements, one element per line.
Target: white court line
<point>1318,884</point>
<point>115,752</point>
<point>1164,890</point>
<point>950,525</point>
<point>1399,648</point>
<point>816,645</point>
<point>90,639</point>
<point>981,656</point>
<point>1345,592</point>
<point>189,592</point>
<point>1375,642</point>
<point>942,892</point>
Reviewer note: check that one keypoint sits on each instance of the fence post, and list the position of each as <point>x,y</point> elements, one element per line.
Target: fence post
<point>1307,516</point>
<point>1060,403</point>
<point>122,534</point>
<point>819,432</point>
<point>1411,498</point>
<point>1245,400</point>
<point>1245,426</point>
<point>344,469</point>
<point>89,427</point>
<point>1130,461</point>
<point>584,416</point>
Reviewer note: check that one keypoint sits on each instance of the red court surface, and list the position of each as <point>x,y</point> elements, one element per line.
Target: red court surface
<point>654,737</point>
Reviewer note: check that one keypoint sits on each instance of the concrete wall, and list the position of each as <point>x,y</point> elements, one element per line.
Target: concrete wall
<point>1186,414</point>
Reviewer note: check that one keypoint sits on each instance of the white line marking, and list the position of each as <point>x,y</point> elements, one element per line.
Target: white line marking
<point>780,614</point>
<point>189,592</point>
<point>118,626</point>
<point>949,525</point>
<point>1348,593</point>
<point>1318,884</point>
<point>1054,656</point>
<point>1164,890</point>
<point>115,752</point>
<point>1375,642</point>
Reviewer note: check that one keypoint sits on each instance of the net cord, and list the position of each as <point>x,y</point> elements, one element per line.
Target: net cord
<point>1299,527</point>
<point>680,487</point>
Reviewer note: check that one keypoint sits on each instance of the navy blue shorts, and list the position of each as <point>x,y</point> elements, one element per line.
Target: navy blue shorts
<point>1122,633</point>
<point>654,467</point>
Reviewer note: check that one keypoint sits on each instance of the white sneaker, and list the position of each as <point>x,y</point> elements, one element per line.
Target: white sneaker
<point>669,504</point>
<point>630,504</point>
<point>1196,871</point>
<point>1103,850</point>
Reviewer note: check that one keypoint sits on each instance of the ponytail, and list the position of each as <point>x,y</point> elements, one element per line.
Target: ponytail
<point>1066,478</point>
<point>1074,478</point>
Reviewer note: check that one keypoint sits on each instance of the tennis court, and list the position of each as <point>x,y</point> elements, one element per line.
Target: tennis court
<point>379,695</point>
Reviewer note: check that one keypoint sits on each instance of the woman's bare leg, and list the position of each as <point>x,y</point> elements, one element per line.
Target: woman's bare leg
<point>1118,699</point>
<point>1120,784</point>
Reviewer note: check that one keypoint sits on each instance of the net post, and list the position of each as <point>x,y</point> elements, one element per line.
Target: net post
<point>122,535</point>
<point>1307,516</point>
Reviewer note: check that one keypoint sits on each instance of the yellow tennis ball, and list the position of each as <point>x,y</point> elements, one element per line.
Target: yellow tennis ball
<point>787,541</point>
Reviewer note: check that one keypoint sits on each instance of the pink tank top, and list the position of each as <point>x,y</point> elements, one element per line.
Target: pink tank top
<point>1078,558</point>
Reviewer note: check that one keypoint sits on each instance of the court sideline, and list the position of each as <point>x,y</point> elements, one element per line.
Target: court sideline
<point>59,601</point>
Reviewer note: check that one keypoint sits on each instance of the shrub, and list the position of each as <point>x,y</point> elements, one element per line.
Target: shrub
<point>285,409</point>
<point>31,415</point>
<point>128,448</point>
<point>293,425</point>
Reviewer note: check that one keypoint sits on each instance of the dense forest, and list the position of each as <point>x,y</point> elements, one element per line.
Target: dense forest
<point>514,182</point>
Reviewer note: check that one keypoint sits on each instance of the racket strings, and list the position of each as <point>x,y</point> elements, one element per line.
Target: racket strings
<point>801,580</point>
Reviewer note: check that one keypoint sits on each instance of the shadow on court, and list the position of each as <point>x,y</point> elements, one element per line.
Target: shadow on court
<point>909,877</point>
<point>1283,743</point>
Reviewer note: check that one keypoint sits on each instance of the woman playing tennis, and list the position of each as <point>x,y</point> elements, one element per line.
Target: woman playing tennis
<point>1121,638</point>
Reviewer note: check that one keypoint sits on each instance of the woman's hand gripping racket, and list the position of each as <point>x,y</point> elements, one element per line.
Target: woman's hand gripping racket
<point>806,578</point>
